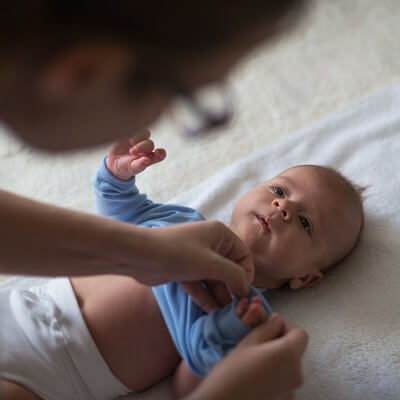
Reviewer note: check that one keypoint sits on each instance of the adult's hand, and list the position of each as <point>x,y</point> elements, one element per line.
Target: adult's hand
<point>77,244</point>
<point>265,365</point>
<point>208,294</point>
<point>199,251</point>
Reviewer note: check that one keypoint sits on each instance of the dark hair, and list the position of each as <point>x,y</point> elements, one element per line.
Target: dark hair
<point>45,27</point>
<point>355,194</point>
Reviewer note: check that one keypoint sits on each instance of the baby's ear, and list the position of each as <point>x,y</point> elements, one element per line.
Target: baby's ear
<point>306,281</point>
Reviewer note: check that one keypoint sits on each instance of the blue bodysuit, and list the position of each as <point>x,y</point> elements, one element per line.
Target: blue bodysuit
<point>202,339</point>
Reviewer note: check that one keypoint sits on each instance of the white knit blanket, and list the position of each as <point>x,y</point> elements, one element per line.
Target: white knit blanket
<point>353,316</point>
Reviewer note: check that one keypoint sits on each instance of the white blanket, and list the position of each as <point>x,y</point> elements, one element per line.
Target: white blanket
<point>353,316</point>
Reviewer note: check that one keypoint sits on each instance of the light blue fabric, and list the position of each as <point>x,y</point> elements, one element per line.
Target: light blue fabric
<point>121,200</point>
<point>201,339</point>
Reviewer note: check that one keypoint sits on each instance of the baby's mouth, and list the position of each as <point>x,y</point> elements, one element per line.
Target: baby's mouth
<point>264,223</point>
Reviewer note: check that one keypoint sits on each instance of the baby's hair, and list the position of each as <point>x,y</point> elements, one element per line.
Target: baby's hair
<point>353,192</point>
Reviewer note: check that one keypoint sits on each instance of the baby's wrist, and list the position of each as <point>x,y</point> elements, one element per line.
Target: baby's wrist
<point>117,174</point>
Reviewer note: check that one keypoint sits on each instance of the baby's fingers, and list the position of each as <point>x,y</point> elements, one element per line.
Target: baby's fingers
<point>254,315</point>
<point>154,157</point>
<point>241,307</point>
<point>140,135</point>
<point>143,160</point>
<point>159,155</point>
<point>139,164</point>
<point>145,146</point>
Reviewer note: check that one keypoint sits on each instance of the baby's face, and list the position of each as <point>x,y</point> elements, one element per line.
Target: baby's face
<point>295,225</point>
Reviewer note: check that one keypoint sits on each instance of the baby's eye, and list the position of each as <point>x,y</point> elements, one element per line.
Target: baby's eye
<point>304,223</point>
<point>278,191</point>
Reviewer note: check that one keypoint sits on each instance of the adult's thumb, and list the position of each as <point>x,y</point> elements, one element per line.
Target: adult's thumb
<point>296,338</point>
<point>269,330</point>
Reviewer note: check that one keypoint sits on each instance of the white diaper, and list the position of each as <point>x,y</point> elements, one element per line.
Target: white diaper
<point>46,346</point>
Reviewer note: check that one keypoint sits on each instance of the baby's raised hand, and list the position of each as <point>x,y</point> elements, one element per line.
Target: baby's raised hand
<point>251,313</point>
<point>130,156</point>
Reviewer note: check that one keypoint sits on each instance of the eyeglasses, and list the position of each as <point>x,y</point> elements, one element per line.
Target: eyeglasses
<point>203,110</point>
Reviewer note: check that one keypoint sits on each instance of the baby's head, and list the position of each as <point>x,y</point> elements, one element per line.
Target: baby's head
<point>298,224</point>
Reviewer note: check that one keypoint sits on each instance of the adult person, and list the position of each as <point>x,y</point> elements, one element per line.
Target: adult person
<point>75,74</point>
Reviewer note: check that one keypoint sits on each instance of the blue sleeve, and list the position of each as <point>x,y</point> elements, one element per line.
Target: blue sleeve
<point>201,339</point>
<point>119,199</point>
<point>116,198</point>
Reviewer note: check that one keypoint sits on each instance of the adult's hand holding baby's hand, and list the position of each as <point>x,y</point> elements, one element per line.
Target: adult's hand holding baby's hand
<point>265,365</point>
<point>131,156</point>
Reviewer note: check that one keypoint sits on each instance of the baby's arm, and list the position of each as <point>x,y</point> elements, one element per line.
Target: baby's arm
<point>251,314</point>
<point>113,184</point>
<point>203,339</point>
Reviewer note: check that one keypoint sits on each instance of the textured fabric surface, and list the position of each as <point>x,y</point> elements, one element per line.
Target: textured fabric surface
<point>353,316</point>
<point>341,52</point>
<point>202,339</point>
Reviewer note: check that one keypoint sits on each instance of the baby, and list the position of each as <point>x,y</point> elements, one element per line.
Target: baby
<point>106,336</point>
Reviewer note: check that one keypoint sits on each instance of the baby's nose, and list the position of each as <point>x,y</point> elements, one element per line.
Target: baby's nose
<point>284,208</point>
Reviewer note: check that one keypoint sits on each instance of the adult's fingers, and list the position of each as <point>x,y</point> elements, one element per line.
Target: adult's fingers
<point>295,337</point>
<point>208,295</point>
<point>285,335</point>
<point>232,273</point>
<point>219,292</point>
<point>233,262</point>
<point>200,295</point>
<point>232,247</point>
<point>271,329</point>
<point>257,368</point>
<point>203,250</point>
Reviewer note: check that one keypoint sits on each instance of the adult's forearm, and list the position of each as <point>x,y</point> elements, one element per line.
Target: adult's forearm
<point>41,239</point>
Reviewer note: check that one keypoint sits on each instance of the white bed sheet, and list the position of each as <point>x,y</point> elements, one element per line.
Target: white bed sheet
<point>353,316</point>
<point>342,51</point>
